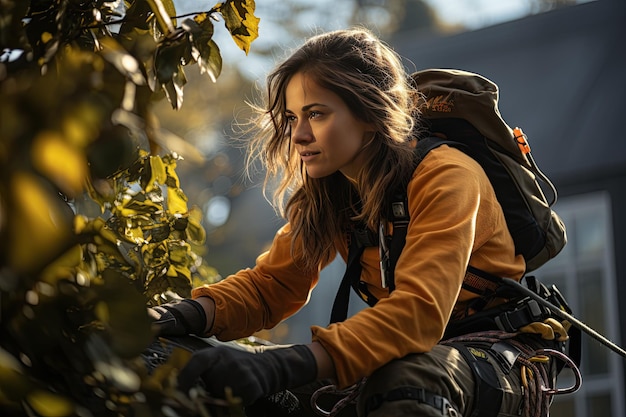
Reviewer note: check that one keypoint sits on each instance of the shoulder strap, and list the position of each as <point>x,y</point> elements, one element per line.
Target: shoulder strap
<point>352,273</point>
<point>390,247</point>
<point>400,209</point>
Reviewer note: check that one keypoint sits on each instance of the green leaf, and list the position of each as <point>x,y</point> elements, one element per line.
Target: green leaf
<point>170,53</point>
<point>174,88</point>
<point>240,21</point>
<point>137,19</point>
<point>203,49</point>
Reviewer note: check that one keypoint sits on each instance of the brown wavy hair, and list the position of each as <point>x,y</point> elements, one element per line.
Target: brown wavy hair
<point>370,78</point>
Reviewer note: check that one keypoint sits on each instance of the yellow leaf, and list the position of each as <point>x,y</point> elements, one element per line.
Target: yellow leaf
<point>47,404</point>
<point>38,225</point>
<point>179,253</point>
<point>80,223</point>
<point>157,171</point>
<point>170,171</point>
<point>195,231</point>
<point>176,201</point>
<point>102,311</point>
<point>240,21</point>
<point>64,266</point>
<point>46,37</point>
<point>134,234</point>
<point>181,271</point>
<point>82,125</point>
<point>201,17</point>
<point>171,271</point>
<point>61,162</point>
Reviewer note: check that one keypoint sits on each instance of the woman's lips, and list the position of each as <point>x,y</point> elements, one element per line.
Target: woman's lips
<point>308,156</point>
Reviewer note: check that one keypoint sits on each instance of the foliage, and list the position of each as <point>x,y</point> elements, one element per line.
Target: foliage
<point>94,224</point>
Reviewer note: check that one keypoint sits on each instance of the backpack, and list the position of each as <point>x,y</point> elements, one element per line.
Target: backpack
<point>464,106</point>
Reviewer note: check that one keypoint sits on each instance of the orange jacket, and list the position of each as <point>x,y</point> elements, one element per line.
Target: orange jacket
<point>455,220</point>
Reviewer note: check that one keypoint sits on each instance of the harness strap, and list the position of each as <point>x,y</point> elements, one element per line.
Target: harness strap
<point>488,391</point>
<point>420,395</point>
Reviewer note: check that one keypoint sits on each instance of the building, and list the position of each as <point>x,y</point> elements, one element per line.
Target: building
<point>562,78</point>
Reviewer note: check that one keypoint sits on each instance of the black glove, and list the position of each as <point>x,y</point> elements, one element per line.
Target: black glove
<point>178,318</point>
<point>251,376</point>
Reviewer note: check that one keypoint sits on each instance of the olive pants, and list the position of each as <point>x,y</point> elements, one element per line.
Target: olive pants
<point>433,384</point>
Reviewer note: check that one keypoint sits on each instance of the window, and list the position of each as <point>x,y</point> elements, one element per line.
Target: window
<point>584,272</point>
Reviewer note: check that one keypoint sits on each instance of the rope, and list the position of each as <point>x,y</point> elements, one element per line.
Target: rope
<point>536,386</point>
<point>537,389</point>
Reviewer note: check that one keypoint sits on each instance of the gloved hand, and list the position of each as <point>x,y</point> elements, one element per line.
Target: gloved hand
<point>550,329</point>
<point>178,318</point>
<point>250,376</point>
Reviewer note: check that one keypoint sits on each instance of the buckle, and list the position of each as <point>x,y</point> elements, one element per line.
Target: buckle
<point>529,311</point>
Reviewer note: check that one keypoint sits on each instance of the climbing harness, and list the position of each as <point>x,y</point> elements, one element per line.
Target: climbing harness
<point>537,389</point>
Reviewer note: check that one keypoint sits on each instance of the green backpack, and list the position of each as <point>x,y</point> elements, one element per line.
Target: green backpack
<point>464,106</point>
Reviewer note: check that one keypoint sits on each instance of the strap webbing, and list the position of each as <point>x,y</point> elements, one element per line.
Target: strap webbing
<point>420,395</point>
<point>353,271</point>
<point>488,391</point>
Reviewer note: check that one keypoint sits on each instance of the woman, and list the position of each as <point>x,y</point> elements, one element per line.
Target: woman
<point>337,135</point>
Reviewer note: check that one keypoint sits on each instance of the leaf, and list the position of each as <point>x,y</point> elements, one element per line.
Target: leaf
<point>203,49</point>
<point>176,201</point>
<point>168,57</point>
<point>40,222</point>
<point>180,253</point>
<point>47,404</point>
<point>13,383</point>
<point>163,10</point>
<point>138,16</point>
<point>154,254</point>
<point>195,232</point>
<point>157,173</point>
<point>48,150</point>
<point>128,324</point>
<point>210,60</point>
<point>64,266</point>
<point>240,21</point>
<point>125,63</point>
<point>174,88</point>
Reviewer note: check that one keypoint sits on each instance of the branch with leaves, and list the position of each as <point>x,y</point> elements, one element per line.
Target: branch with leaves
<point>95,225</point>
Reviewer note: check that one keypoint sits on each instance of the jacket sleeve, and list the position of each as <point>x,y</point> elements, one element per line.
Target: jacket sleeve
<point>454,216</point>
<point>261,297</point>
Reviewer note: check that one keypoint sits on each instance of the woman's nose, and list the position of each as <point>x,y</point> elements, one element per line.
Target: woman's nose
<point>301,132</point>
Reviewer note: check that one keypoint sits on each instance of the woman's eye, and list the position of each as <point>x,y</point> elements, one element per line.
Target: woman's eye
<point>314,114</point>
<point>290,118</point>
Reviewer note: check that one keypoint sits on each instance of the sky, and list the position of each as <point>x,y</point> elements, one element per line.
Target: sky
<point>475,14</point>
<point>479,13</point>
<point>334,14</point>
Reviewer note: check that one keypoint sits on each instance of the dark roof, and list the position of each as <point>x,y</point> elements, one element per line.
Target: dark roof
<point>562,78</point>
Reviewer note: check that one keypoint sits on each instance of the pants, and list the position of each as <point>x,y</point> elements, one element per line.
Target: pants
<point>447,381</point>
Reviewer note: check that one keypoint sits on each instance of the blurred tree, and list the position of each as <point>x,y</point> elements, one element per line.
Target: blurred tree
<point>94,224</point>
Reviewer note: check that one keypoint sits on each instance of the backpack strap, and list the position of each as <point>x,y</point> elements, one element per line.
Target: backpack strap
<point>339,311</point>
<point>400,210</point>
<point>390,246</point>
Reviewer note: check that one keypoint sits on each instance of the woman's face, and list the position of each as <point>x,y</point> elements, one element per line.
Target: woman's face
<point>325,133</point>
